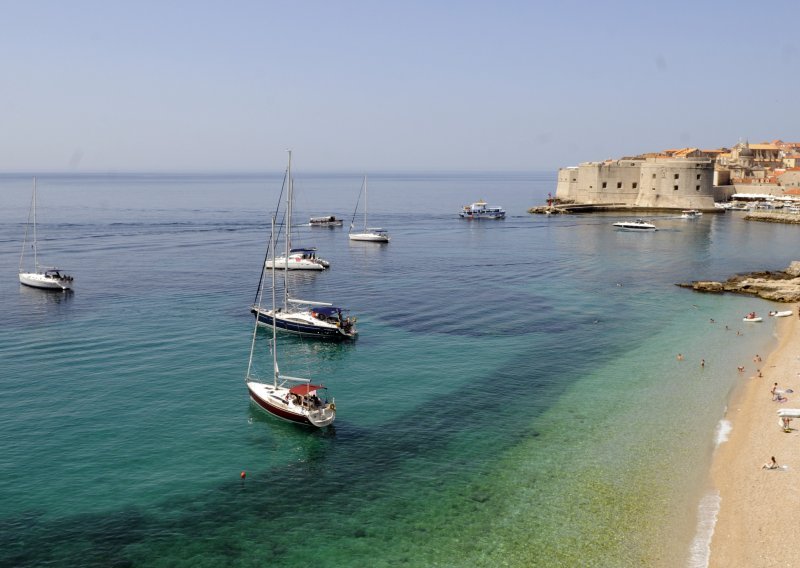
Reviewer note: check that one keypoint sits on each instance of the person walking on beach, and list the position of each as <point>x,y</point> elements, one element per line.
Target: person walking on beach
<point>774,391</point>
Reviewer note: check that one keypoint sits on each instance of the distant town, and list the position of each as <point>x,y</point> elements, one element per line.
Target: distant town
<point>683,178</point>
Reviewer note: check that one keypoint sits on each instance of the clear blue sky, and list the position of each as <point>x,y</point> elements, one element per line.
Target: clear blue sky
<point>373,85</point>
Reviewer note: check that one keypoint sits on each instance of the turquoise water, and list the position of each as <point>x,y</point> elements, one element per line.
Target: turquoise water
<point>513,399</point>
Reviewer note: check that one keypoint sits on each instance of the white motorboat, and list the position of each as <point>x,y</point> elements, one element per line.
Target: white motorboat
<point>299,259</point>
<point>481,210</point>
<point>370,234</point>
<point>41,277</point>
<point>691,214</point>
<point>782,314</point>
<point>293,399</point>
<point>752,317</point>
<point>639,225</point>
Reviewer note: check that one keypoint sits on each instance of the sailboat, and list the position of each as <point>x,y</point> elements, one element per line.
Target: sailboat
<point>293,399</point>
<point>296,258</point>
<point>41,277</point>
<point>303,317</point>
<point>373,234</point>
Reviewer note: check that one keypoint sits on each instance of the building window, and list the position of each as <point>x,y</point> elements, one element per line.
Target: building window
<point>675,187</point>
<point>654,176</point>
<point>619,185</point>
<point>604,185</point>
<point>574,179</point>
<point>677,176</point>
<point>698,176</point>
<point>634,185</point>
<point>697,188</point>
<point>653,188</point>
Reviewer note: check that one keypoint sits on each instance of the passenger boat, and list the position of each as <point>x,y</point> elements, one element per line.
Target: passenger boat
<point>691,214</point>
<point>327,221</point>
<point>480,210</point>
<point>639,225</point>
<point>45,278</point>
<point>293,399</point>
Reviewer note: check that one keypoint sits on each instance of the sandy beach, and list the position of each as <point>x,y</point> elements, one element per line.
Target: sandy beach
<point>760,508</point>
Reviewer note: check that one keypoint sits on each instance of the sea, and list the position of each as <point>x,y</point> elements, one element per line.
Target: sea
<point>514,398</point>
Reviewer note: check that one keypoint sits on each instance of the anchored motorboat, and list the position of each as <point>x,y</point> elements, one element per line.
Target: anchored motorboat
<point>637,225</point>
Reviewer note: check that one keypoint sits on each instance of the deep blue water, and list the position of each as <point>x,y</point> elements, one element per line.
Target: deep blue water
<point>125,423</point>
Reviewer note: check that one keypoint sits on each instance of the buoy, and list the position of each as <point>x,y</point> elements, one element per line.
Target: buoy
<point>243,475</point>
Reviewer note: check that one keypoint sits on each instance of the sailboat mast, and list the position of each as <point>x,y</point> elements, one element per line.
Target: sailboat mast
<point>35,253</point>
<point>365,204</point>
<point>288,233</point>
<point>274,331</point>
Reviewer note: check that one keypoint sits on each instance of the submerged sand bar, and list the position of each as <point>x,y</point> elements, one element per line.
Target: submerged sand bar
<point>760,509</point>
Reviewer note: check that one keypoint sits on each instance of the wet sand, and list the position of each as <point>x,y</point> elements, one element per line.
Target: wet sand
<point>760,509</point>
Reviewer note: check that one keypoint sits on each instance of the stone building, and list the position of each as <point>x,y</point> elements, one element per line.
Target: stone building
<point>649,183</point>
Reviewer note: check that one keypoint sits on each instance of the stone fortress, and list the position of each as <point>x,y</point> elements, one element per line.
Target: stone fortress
<point>688,178</point>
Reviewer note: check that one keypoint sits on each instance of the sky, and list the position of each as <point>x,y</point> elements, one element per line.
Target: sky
<point>202,86</point>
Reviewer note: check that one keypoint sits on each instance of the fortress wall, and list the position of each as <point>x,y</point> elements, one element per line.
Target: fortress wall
<point>567,187</point>
<point>608,182</point>
<point>675,183</point>
<point>669,183</point>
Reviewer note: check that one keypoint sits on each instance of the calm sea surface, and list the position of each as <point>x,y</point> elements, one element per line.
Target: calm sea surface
<point>513,399</point>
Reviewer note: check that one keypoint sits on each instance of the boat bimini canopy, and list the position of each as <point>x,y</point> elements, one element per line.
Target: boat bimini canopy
<point>304,390</point>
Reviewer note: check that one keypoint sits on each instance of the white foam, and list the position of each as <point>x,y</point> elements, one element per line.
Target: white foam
<point>707,512</point>
<point>723,429</point>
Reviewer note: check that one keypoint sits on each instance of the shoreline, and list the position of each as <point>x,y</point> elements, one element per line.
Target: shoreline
<point>759,508</point>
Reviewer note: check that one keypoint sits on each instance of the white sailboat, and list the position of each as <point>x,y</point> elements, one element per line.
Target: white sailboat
<point>41,277</point>
<point>293,399</point>
<point>302,317</point>
<point>372,234</point>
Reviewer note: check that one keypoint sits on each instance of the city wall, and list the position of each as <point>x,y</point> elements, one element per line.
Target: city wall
<point>654,183</point>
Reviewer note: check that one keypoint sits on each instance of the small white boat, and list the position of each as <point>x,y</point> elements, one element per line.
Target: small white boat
<point>752,317</point>
<point>49,278</point>
<point>638,225</point>
<point>783,314</point>
<point>369,234</point>
<point>480,210</point>
<point>327,221</point>
<point>299,259</point>
<point>691,214</point>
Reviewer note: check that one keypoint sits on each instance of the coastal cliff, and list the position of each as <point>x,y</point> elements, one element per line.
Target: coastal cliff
<point>777,286</point>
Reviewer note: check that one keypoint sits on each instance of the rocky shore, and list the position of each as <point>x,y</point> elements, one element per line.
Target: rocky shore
<point>773,217</point>
<point>778,286</point>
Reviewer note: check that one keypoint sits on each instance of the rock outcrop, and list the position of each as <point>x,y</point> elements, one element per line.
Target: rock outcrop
<point>778,286</point>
